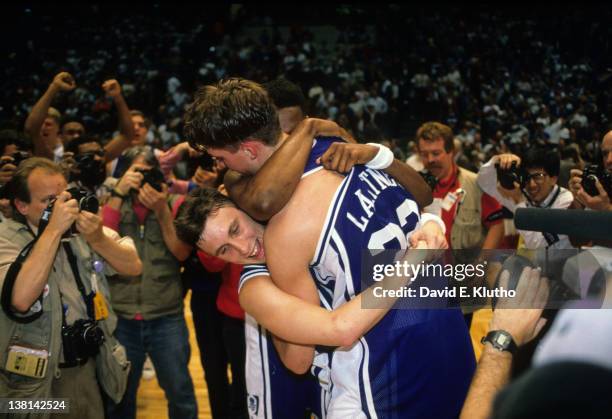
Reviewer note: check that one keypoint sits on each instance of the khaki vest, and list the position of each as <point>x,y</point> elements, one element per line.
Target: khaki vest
<point>158,290</point>
<point>44,332</point>
<point>467,231</point>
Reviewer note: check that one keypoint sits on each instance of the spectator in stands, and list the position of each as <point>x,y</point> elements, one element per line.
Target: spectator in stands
<point>457,86</point>
<point>141,126</point>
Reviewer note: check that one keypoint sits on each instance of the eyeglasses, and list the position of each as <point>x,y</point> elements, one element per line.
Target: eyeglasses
<point>538,178</point>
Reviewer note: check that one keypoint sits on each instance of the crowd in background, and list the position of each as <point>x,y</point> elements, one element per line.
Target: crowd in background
<point>494,77</point>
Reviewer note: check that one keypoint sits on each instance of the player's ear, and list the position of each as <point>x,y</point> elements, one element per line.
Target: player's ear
<point>250,148</point>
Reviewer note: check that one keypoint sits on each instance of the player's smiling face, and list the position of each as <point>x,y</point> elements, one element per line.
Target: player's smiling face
<point>233,236</point>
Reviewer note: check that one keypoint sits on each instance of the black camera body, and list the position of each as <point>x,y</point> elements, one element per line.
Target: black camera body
<point>591,174</point>
<point>153,177</point>
<point>206,162</point>
<point>81,341</point>
<point>429,178</point>
<point>90,170</point>
<point>507,177</point>
<point>87,202</point>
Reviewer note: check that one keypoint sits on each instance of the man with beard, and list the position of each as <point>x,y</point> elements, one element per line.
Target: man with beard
<point>473,219</point>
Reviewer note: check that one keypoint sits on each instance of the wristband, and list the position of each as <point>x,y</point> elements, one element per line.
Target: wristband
<point>383,158</point>
<point>425,217</point>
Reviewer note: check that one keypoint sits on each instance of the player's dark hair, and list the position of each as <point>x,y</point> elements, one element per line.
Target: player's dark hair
<point>285,93</point>
<point>229,112</point>
<point>193,213</point>
<point>543,158</point>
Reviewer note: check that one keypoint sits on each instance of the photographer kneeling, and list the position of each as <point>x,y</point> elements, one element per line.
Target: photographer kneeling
<point>57,326</point>
<point>528,182</point>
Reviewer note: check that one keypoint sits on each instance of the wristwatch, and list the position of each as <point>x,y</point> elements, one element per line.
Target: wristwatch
<point>500,340</point>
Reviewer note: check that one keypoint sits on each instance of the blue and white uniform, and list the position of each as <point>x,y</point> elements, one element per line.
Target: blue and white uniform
<point>272,390</point>
<point>413,363</point>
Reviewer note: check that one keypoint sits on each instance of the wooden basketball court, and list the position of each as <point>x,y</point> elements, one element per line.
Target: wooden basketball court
<point>151,402</point>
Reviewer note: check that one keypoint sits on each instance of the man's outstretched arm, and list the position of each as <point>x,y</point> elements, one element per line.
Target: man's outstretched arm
<point>267,192</point>
<point>61,82</point>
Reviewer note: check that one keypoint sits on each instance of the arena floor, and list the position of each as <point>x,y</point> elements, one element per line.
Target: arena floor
<point>151,400</point>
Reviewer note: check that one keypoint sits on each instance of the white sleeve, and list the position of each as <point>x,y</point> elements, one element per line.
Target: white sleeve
<point>487,180</point>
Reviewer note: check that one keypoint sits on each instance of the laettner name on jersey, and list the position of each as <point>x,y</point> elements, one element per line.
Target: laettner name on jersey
<point>376,182</point>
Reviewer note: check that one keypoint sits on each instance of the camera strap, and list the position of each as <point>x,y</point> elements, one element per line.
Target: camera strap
<point>551,238</point>
<point>9,284</point>
<point>88,298</point>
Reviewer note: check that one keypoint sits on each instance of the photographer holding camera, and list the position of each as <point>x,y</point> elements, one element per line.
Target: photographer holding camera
<point>592,188</point>
<point>57,338</point>
<point>86,166</point>
<point>528,182</point>
<point>150,305</point>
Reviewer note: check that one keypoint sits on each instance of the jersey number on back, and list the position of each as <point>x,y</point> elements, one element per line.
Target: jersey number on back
<point>395,231</point>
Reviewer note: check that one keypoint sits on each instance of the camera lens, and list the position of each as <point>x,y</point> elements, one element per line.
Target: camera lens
<point>89,203</point>
<point>93,335</point>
